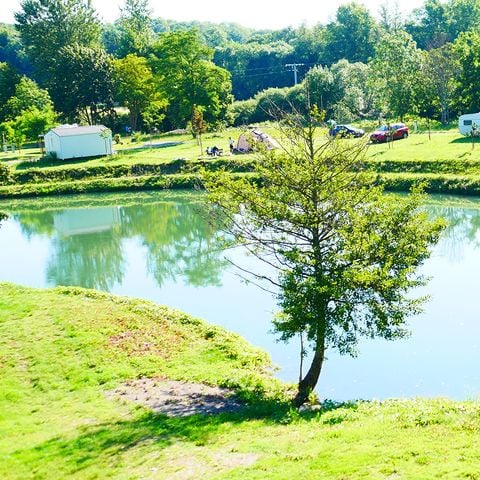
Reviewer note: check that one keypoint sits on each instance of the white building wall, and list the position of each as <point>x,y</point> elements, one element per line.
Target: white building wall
<point>85,146</point>
<point>78,146</point>
<point>52,143</point>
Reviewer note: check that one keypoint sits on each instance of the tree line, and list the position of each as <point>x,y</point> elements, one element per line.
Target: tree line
<point>59,62</point>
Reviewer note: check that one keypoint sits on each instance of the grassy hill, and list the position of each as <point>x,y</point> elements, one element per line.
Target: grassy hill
<point>63,350</point>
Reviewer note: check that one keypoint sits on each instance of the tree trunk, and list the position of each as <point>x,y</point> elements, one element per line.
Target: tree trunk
<point>306,386</point>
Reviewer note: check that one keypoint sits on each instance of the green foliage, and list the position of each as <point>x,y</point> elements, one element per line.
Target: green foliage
<point>12,51</point>
<point>47,26</point>
<point>467,52</point>
<point>396,65</point>
<point>255,66</point>
<point>137,88</point>
<point>34,122</point>
<point>136,30</point>
<point>85,84</point>
<point>189,78</point>
<point>346,255</point>
<point>9,79</point>
<point>27,95</point>
<point>353,34</point>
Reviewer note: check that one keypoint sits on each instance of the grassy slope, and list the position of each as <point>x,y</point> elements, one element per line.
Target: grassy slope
<point>61,349</point>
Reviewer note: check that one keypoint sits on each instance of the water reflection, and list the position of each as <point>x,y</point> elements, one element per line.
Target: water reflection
<point>87,242</point>
<point>463,223</point>
<point>159,246</point>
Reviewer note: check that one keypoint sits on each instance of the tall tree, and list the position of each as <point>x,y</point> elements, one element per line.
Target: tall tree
<point>437,82</point>
<point>9,79</point>
<point>46,26</point>
<point>27,95</point>
<point>137,88</point>
<point>352,35</point>
<point>136,30</point>
<point>12,50</point>
<point>467,52</point>
<point>429,25</point>
<point>190,78</point>
<point>86,84</point>
<point>395,67</point>
<point>463,16</point>
<point>344,254</point>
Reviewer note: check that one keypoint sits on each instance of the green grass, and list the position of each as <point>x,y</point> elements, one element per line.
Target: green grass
<point>418,147</point>
<point>446,161</point>
<point>58,357</point>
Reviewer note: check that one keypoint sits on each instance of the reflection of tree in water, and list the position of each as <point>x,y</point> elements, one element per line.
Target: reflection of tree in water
<point>36,222</point>
<point>91,260</point>
<point>180,242</point>
<point>3,216</point>
<point>178,239</point>
<point>463,224</point>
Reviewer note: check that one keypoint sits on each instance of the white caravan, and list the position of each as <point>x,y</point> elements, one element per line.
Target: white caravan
<point>467,121</point>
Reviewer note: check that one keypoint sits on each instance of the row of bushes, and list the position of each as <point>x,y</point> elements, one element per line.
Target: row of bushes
<point>43,175</point>
<point>401,182</point>
<point>175,181</point>
<point>469,167</point>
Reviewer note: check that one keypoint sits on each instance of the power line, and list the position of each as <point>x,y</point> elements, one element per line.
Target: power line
<point>293,67</point>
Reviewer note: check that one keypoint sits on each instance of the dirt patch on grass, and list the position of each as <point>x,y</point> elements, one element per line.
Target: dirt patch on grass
<point>177,399</point>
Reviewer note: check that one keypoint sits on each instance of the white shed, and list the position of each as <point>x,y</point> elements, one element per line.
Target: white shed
<point>72,141</point>
<point>465,123</point>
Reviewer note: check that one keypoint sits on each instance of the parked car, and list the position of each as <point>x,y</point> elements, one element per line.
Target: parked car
<point>346,131</point>
<point>394,131</point>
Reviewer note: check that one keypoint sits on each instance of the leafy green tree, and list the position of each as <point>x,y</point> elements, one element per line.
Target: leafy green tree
<point>136,30</point>
<point>320,84</point>
<point>86,84</point>
<point>12,50</point>
<point>463,16</point>
<point>467,51</point>
<point>33,122</point>
<point>27,95</point>
<point>395,73</point>
<point>154,115</point>
<point>189,78</point>
<point>437,82</point>
<point>344,254</point>
<point>9,79</point>
<point>256,66</point>
<point>352,35</point>
<point>429,25</point>
<point>47,26</point>
<point>137,87</point>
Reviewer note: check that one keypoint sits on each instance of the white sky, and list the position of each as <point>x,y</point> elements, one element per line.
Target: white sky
<point>250,13</point>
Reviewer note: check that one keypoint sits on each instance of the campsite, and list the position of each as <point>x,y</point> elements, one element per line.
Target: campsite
<point>215,260</point>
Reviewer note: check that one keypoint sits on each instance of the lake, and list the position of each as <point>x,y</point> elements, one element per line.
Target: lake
<point>160,247</point>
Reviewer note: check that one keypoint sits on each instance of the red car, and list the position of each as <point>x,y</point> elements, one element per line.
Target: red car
<point>395,131</point>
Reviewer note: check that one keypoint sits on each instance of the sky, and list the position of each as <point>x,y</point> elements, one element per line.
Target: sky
<point>272,14</point>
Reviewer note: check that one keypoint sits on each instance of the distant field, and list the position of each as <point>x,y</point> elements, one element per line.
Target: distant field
<point>446,161</point>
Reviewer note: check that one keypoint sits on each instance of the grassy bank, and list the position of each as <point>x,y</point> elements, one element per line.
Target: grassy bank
<point>63,349</point>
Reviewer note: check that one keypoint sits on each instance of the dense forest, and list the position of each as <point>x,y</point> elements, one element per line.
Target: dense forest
<point>59,63</point>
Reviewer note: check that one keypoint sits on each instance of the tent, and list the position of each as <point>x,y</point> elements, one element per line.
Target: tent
<point>257,136</point>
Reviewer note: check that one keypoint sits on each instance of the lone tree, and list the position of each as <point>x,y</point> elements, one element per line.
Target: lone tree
<point>344,254</point>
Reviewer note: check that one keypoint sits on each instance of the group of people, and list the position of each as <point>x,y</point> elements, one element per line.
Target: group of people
<point>216,152</point>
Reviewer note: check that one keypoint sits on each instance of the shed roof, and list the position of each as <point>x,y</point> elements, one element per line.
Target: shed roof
<point>73,130</point>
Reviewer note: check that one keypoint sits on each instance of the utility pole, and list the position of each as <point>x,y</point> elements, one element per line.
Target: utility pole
<point>293,68</point>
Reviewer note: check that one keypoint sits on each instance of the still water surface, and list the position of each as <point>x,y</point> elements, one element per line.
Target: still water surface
<point>158,246</point>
